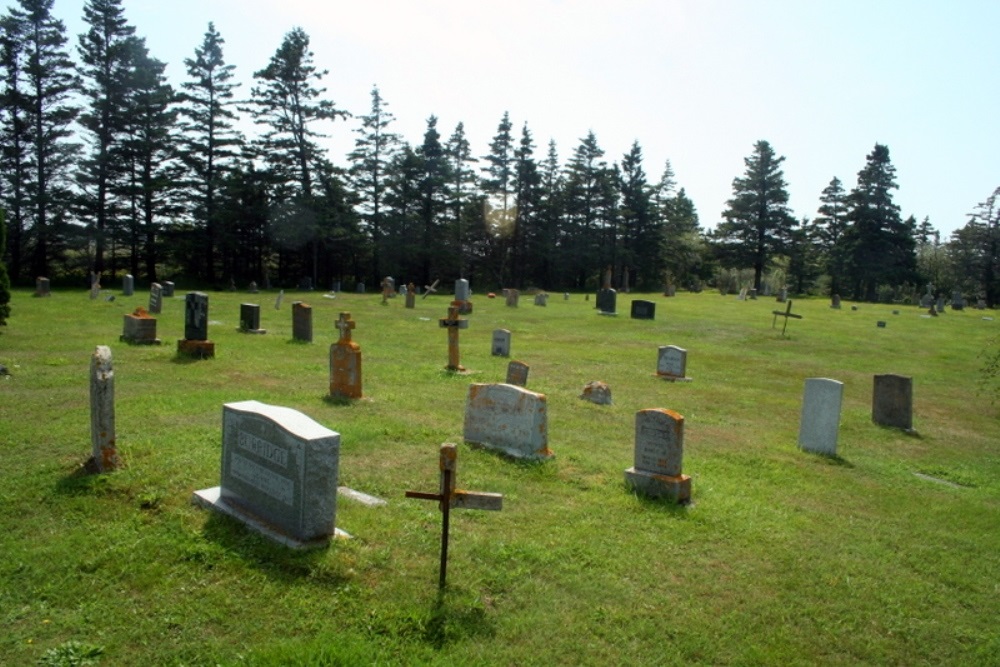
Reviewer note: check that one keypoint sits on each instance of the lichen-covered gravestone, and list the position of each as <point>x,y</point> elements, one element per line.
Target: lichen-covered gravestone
<point>508,419</point>
<point>102,410</point>
<point>345,362</point>
<point>517,373</point>
<point>659,450</point>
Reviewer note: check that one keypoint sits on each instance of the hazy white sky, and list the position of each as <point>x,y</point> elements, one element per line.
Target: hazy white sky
<point>694,81</point>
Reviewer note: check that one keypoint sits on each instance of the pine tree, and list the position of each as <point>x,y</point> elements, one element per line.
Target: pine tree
<point>586,177</point>
<point>758,223</point>
<point>526,193</point>
<point>461,190</point>
<point>499,173</point>
<point>4,278</point>
<point>546,245</point>
<point>982,237</point>
<point>828,230</point>
<point>641,227</point>
<point>15,139</point>
<point>434,179</point>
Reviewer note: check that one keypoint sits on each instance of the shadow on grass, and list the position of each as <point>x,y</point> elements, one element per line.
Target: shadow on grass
<point>452,619</point>
<point>661,505</point>
<point>832,459</point>
<point>85,478</point>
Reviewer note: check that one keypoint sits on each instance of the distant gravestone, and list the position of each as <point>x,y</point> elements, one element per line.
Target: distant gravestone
<point>517,373</point>
<point>742,296</point>
<point>501,343</point>
<point>279,299</point>
<point>835,301</point>
<point>155,298</point>
<point>302,322</point>
<point>102,410</point>
<point>42,287</point>
<point>508,419</point>
<point>671,363</point>
<point>279,474</point>
<point>892,401</point>
<point>541,299</point>
<point>820,419</point>
<point>462,290</point>
<point>361,288</point>
<point>597,392</point>
<point>782,295</point>
<point>927,300</point>
<point>252,288</point>
<point>659,450</point>
<point>880,324</point>
<point>940,304</point>
<point>168,288</point>
<point>195,342</point>
<point>957,300</point>
<point>139,328</point>
<point>345,361</point>
<point>128,285</point>
<point>411,296</point>
<point>512,297</point>
<point>643,310</point>
<point>250,318</point>
<point>606,301</point>
<point>95,286</point>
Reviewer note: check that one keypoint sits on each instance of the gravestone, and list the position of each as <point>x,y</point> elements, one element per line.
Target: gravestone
<point>606,301</point>
<point>786,314</point>
<point>139,328</point>
<point>128,285</point>
<point>597,392</point>
<point>565,296</point>
<point>306,284</point>
<point>279,299</point>
<point>168,288</point>
<point>927,300</point>
<point>453,323</point>
<point>940,304</point>
<point>102,410</point>
<point>361,288</point>
<point>302,321</point>
<point>957,301</point>
<point>252,288</point>
<point>195,342</point>
<point>742,296</point>
<point>517,373</point>
<point>95,286</point>
<point>345,362</point>
<point>892,401</point>
<point>501,343</point>
<point>782,295</point>
<point>404,290</point>
<point>671,363</point>
<point>880,324</point>
<point>155,298</point>
<point>541,299</point>
<point>659,450</point>
<point>835,301</point>
<point>512,297</point>
<point>820,419</point>
<point>462,291</point>
<point>508,419</point>
<point>643,310</point>
<point>42,287</point>
<point>411,296</point>
<point>250,318</point>
<point>279,474</point>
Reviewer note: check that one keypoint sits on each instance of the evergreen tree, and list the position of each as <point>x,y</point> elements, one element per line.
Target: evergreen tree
<point>210,143</point>
<point>402,223</point>
<point>585,188</point>
<point>979,254</point>
<point>642,228</point>
<point>758,223</point>
<point>4,278</point>
<point>434,178</point>
<point>15,139</point>
<point>461,190</point>
<point>828,232</point>
<point>682,247</point>
<point>545,243</point>
<point>496,185</point>
<point>527,198</point>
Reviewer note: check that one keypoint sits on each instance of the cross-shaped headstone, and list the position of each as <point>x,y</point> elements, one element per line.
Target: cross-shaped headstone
<point>453,323</point>
<point>449,497</point>
<point>345,324</point>
<point>430,289</point>
<point>788,313</point>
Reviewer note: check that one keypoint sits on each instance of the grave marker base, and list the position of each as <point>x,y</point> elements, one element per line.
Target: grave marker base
<point>677,489</point>
<point>199,349</point>
<point>672,378</point>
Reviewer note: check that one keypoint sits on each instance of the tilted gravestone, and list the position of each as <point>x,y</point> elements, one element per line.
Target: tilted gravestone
<point>659,450</point>
<point>508,419</point>
<point>892,401</point>
<point>820,420</point>
<point>501,343</point>
<point>279,474</point>
<point>643,310</point>
<point>671,363</point>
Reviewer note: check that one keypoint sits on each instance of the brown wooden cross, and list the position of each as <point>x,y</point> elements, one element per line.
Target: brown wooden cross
<point>453,323</point>
<point>449,497</point>
<point>788,313</point>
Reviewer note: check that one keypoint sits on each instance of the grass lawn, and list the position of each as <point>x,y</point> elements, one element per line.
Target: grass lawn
<point>886,554</point>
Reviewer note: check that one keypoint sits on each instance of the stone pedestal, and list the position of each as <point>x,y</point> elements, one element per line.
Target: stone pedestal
<point>139,329</point>
<point>199,349</point>
<point>677,489</point>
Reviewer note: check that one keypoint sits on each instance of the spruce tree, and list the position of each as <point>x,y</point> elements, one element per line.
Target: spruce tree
<point>4,278</point>
<point>527,194</point>
<point>15,139</point>
<point>585,179</point>
<point>461,189</point>
<point>828,230</point>
<point>641,227</point>
<point>434,178</point>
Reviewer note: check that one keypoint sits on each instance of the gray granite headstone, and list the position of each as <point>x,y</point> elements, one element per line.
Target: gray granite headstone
<point>659,450</point>
<point>606,301</point>
<point>671,363</point>
<point>250,317</point>
<point>517,373</point>
<point>501,343</point>
<point>128,285</point>
<point>155,298</point>
<point>820,420</point>
<point>102,410</point>
<point>508,419</point>
<point>541,299</point>
<point>42,287</point>
<point>302,321</point>
<point>279,474</point>
<point>643,310</point>
<point>168,288</point>
<point>512,296</point>
<point>461,290</point>
<point>196,316</point>
<point>892,401</point>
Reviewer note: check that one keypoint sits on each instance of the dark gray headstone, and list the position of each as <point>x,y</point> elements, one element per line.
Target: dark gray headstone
<point>643,310</point>
<point>168,288</point>
<point>196,316</point>
<point>249,317</point>
<point>302,321</point>
<point>517,373</point>
<point>606,301</point>
<point>155,298</point>
<point>892,401</point>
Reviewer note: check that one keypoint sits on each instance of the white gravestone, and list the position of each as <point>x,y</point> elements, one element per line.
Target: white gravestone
<point>279,474</point>
<point>508,419</point>
<point>102,410</point>
<point>659,451</point>
<point>501,343</point>
<point>820,420</point>
<point>671,363</point>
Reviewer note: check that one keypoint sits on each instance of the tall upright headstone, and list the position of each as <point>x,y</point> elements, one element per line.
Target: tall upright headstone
<point>128,285</point>
<point>508,419</point>
<point>168,288</point>
<point>659,450</point>
<point>892,401</point>
<point>820,419</point>
<point>250,318</point>
<point>345,362</point>
<point>95,285</point>
<point>195,342</point>
<point>462,295</point>
<point>501,343</point>
<point>512,297</point>
<point>411,296</point>
<point>606,296</point>
<point>102,410</point>
<point>155,298</point>
<point>302,322</point>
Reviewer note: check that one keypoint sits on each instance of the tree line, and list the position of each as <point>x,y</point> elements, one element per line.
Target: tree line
<point>107,168</point>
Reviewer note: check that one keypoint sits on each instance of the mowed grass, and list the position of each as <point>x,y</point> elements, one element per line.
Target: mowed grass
<point>783,558</point>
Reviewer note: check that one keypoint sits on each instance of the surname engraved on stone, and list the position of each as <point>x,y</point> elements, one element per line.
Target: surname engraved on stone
<point>262,448</point>
<point>278,487</point>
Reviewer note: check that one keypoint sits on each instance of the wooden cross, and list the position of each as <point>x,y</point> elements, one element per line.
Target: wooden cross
<point>449,497</point>
<point>788,313</point>
<point>453,323</point>
<point>429,289</point>
<point>345,324</point>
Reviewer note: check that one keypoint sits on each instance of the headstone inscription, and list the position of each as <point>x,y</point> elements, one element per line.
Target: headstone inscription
<point>501,343</point>
<point>168,288</point>
<point>453,323</point>
<point>139,328</point>
<point>155,298</point>
<point>42,287</point>
<point>302,322</point>
<point>250,318</point>
<point>892,401</point>
<point>345,361</point>
<point>128,285</point>
<point>508,419</point>
<point>102,411</point>
<point>449,497</point>
<point>643,310</point>
<point>517,373</point>
<point>195,342</point>
<point>279,474</point>
<point>659,450</point>
<point>820,419</point>
<point>671,363</point>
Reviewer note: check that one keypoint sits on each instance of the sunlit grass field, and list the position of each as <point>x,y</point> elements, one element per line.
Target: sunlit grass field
<point>783,558</point>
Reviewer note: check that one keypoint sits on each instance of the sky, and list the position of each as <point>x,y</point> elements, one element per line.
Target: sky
<point>695,82</point>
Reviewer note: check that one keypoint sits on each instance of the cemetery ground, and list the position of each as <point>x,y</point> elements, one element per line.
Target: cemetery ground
<point>784,557</point>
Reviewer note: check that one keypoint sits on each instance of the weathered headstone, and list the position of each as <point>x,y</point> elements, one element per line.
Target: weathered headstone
<point>95,286</point>
<point>453,323</point>
<point>302,321</point>
<point>102,410</point>
<point>501,343</point>
<point>782,295</point>
<point>835,301</point>
<point>957,300</point>
<point>643,310</point>
<point>360,288</point>
<point>606,301</point>
<point>671,363</point>
<point>462,290</point>
<point>597,392</point>
<point>927,300</point>
<point>892,401</point>
<point>659,450</point>
<point>195,342</point>
<point>139,328</point>
<point>279,474</point>
<point>168,288</point>
<point>508,419</point>
<point>42,287</point>
<point>541,299</point>
<point>742,296</point>
<point>512,297</point>
<point>155,298</point>
<point>517,373</point>
<point>820,420</point>
<point>345,362</point>
<point>940,304</point>
<point>411,296</point>
<point>279,299</point>
<point>252,288</point>
<point>128,285</point>
<point>250,318</point>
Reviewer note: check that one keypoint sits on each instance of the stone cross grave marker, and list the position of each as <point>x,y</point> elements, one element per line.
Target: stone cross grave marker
<point>671,363</point>
<point>508,419</point>
<point>128,285</point>
<point>430,289</point>
<point>302,321</point>
<point>786,314</point>
<point>453,323</point>
<point>250,318</point>
<point>501,343</point>
<point>892,401</point>
<point>195,342</point>
<point>517,373</point>
<point>279,474</point>
<point>155,298</point>
<point>659,450</point>
<point>42,287</point>
<point>139,328</point>
<point>102,411</point>
<point>820,420</point>
<point>643,310</point>
<point>449,497</point>
<point>345,361</point>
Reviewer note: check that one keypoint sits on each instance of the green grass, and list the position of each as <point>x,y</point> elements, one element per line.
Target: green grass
<point>783,557</point>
